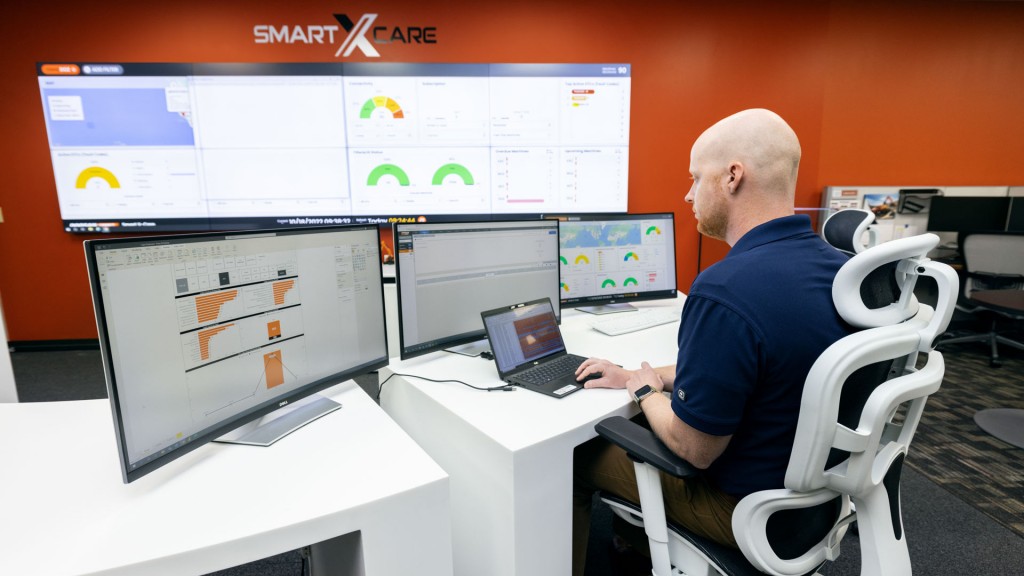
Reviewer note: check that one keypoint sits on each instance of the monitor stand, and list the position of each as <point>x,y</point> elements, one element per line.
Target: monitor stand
<point>472,349</point>
<point>281,422</point>
<point>607,308</point>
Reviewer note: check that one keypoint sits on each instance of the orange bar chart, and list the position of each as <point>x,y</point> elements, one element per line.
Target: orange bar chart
<point>282,288</point>
<point>273,329</point>
<point>208,305</point>
<point>204,339</point>
<point>273,368</point>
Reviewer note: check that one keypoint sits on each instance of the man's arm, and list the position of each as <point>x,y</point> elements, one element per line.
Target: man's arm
<point>692,445</point>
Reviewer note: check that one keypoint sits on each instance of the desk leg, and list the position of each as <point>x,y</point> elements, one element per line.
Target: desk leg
<point>404,534</point>
<point>341,556</point>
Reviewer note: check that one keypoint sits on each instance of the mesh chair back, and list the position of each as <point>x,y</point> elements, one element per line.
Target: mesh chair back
<point>994,260</point>
<point>844,229</point>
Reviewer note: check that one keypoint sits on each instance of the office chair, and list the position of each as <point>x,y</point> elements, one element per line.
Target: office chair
<point>845,229</point>
<point>994,262</point>
<point>861,404</point>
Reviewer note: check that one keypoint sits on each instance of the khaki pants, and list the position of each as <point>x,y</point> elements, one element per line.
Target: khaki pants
<point>693,503</point>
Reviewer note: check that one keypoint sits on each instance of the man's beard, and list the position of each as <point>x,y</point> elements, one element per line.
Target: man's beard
<point>714,219</point>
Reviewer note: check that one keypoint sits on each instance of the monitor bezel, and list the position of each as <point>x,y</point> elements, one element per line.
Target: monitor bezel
<point>460,339</point>
<point>626,297</point>
<point>207,435</point>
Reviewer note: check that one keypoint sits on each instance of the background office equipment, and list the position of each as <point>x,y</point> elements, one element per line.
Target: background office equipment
<point>993,286</point>
<point>448,273</point>
<point>962,213</point>
<point>944,210</point>
<point>201,334</point>
<point>238,146</point>
<point>610,260</point>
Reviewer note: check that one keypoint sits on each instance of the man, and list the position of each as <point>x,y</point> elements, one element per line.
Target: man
<point>752,326</point>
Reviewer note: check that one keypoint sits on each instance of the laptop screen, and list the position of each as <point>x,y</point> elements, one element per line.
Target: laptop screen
<point>523,333</point>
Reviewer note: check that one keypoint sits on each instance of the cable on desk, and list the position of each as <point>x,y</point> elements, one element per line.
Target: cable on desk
<point>508,388</point>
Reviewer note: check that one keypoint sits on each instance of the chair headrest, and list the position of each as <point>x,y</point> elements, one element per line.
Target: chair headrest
<point>844,229</point>
<point>846,288</point>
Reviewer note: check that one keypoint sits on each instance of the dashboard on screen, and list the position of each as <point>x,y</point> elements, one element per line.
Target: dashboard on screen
<point>610,260</point>
<point>448,273</point>
<point>203,333</point>
<point>143,147</point>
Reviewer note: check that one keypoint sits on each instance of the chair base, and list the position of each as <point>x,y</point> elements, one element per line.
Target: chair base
<point>1007,424</point>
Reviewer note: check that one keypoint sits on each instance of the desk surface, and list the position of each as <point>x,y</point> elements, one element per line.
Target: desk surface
<point>509,454</point>
<point>65,509</point>
<point>501,415</point>
<point>1010,301</point>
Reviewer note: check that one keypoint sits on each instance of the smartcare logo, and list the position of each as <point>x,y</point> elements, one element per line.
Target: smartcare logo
<point>362,35</point>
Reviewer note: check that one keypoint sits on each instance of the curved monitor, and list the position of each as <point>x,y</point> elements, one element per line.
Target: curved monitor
<point>608,261</point>
<point>202,334</point>
<point>448,273</point>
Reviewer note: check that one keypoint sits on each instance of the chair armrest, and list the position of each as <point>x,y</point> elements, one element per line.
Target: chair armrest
<point>641,445</point>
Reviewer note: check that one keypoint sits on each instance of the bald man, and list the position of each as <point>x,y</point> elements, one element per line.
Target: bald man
<point>752,326</point>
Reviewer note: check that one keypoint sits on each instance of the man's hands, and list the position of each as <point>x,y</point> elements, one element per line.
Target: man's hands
<point>611,375</point>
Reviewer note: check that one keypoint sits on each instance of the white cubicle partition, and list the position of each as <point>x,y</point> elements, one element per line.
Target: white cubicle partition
<point>898,224</point>
<point>509,454</point>
<point>8,392</point>
<point>351,483</point>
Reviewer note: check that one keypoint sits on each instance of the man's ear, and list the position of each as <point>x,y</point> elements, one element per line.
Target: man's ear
<point>735,176</point>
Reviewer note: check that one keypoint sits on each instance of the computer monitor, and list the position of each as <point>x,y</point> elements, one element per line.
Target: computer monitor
<point>202,334</point>
<point>448,273</point>
<point>968,213</point>
<point>1015,222</point>
<point>608,261</point>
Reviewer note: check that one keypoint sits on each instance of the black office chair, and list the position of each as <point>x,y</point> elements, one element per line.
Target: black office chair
<point>861,404</point>
<point>994,262</point>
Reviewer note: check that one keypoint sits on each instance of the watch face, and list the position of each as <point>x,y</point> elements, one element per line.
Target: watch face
<point>641,392</point>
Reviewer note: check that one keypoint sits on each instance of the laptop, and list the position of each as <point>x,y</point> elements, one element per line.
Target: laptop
<point>528,348</point>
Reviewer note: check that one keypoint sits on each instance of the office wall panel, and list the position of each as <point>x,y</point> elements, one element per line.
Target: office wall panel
<point>919,92</point>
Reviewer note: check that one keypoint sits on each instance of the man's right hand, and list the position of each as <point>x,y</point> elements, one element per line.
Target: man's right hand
<point>611,375</point>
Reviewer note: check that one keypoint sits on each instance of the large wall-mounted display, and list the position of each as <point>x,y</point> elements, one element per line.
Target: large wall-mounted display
<point>143,147</point>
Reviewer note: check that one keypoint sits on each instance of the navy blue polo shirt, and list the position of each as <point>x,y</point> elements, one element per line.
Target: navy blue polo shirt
<point>752,326</point>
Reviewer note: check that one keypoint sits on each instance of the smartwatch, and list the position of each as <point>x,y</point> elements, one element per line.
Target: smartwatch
<point>641,393</point>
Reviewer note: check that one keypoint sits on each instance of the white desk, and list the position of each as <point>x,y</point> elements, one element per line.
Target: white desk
<point>352,481</point>
<point>509,454</point>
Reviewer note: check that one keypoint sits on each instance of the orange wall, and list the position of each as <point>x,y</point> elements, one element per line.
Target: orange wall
<point>908,93</point>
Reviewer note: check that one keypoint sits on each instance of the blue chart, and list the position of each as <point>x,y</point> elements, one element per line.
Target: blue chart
<point>587,235</point>
<point>117,117</point>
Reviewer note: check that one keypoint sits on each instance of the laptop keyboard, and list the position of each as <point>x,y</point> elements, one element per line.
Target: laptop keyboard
<point>550,370</point>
